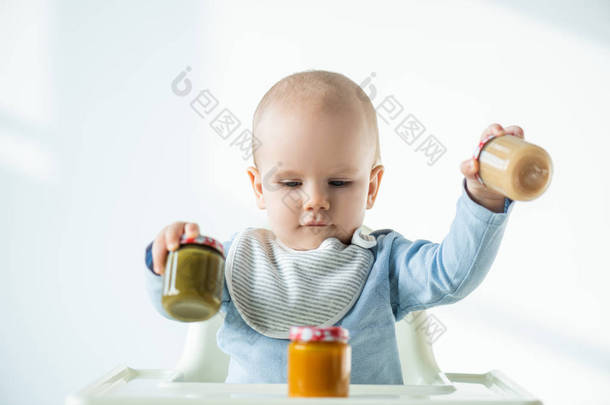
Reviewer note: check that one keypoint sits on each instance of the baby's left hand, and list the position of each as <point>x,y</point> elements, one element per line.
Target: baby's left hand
<point>482,195</point>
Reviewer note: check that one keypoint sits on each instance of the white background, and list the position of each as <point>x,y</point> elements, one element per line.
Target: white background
<point>97,154</point>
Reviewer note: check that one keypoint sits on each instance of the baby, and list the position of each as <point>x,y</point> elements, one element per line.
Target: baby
<point>317,170</point>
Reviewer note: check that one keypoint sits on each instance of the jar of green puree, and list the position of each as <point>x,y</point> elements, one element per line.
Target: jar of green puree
<point>193,279</point>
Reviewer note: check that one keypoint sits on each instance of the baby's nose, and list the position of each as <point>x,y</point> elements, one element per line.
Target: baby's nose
<point>316,200</point>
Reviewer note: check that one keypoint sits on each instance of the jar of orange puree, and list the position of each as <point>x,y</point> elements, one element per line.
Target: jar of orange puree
<point>319,361</point>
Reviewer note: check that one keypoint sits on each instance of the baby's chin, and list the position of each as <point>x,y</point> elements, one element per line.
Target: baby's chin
<point>310,237</point>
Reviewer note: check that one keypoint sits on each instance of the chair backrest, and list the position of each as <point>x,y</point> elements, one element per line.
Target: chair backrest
<point>203,361</point>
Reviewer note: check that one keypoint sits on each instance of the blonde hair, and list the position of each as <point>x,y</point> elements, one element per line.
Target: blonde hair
<point>330,90</point>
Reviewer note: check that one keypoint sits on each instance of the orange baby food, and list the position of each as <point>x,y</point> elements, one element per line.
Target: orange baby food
<point>319,362</point>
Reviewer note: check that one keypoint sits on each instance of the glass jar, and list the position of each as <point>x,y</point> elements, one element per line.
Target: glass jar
<point>319,362</point>
<point>193,279</point>
<point>513,167</point>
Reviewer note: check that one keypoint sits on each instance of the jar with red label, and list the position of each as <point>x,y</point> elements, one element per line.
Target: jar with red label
<point>319,362</point>
<point>193,279</point>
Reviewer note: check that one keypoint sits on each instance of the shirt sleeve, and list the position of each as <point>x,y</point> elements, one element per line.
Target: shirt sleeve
<point>424,274</point>
<point>154,282</point>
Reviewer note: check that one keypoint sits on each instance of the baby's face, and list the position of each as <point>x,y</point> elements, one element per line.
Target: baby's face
<point>314,166</point>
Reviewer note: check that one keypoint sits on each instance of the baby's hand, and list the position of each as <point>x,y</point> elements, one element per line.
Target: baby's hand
<point>482,195</point>
<point>169,240</point>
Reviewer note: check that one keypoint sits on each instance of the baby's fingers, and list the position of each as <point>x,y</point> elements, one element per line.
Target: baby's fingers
<point>169,240</point>
<point>159,253</point>
<point>469,168</point>
<point>495,129</point>
<point>191,230</point>
<point>514,130</point>
<point>173,233</point>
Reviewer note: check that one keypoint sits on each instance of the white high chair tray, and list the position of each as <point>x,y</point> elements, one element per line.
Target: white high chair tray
<point>128,386</point>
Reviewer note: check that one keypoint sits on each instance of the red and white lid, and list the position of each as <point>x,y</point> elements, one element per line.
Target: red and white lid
<point>319,334</point>
<point>205,241</point>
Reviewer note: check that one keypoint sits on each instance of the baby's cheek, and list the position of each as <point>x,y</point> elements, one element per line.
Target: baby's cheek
<point>286,200</point>
<point>349,208</point>
<point>357,197</point>
<point>282,211</point>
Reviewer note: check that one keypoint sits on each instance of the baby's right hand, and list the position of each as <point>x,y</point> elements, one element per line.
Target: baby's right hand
<point>169,240</point>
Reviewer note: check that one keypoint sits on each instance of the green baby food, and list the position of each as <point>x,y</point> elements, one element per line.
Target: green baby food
<point>192,283</point>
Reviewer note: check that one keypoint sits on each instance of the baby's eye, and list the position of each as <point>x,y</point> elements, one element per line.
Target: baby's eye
<point>336,183</point>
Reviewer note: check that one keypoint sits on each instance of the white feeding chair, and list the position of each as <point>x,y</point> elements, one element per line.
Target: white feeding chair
<point>201,370</point>
<point>200,373</point>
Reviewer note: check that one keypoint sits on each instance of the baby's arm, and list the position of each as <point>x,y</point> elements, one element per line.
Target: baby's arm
<point>425,274</point>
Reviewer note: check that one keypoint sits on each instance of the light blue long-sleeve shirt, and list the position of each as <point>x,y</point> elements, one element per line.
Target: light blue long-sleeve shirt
<point>405,276</point>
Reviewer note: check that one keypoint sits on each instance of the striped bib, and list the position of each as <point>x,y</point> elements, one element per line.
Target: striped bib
<point>275,287</point>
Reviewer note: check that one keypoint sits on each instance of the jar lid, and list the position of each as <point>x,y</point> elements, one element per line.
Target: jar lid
<point>204,241</point>
<point>319,334</point>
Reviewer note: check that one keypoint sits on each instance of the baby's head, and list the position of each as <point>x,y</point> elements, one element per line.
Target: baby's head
<point>318,159</point>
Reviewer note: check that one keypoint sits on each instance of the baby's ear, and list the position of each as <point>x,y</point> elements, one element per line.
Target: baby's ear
<point>374,184</point>
<point>257,186</point>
